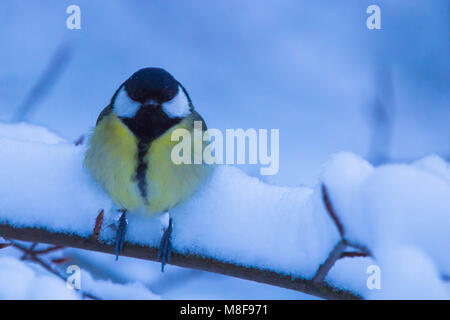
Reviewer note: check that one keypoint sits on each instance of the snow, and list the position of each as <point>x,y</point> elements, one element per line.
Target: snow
<point>400,212</point>
<point>434,164</point>
<point>395,203</point>
<point>27,281</point>
<point>409,273</point>
<point>28,132</point>
<point>254,224</point>
<point>49,179</point>
<point>68,200</point>
<point>239,219</point>
<point>115,291</point>
<point>177,283</point>
<point>19,281</point>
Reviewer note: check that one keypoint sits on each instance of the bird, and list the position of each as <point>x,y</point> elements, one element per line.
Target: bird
<point>129,151</point>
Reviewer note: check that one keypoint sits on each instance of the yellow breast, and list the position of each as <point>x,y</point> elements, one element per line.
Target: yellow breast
<point>112,159</point>
<point>168,183</point>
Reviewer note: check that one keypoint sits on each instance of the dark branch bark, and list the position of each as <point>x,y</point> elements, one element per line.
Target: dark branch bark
<point>324,268</point>
<point>331,212</point>
<point>323,290</point>
<point>354,255</point>
<point>338,251</point>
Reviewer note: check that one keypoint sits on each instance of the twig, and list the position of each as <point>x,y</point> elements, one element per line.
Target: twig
<point>61,260</point>
<point>35,258</point>
<point>186,260</point>
<point>47,80</point>
<point>382,115</point>
<point>338,251</point>
<point>354,255</point>
<point>330,210</point>
<point>5,245</point>
<point>48,250</point>
<point>79,141</point>
<point>324,268</point>
<point>98,225</point>
<point>28,251</point>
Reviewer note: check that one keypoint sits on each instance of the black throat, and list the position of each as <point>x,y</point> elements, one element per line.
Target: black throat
<point>149,123</point>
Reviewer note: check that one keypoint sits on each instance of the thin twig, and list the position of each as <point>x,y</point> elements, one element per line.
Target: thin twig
<point>330,210</point>
<point>338,251</point>
<point>46,81</point>
<point>325,267</point>
<point>28,251</point>
<point>382,114</point>
<point>359,247</point>
<point>48,250</point>
<point>353,255</point>
<point>47,266</point>
<point>98,225</point>
<point>5,245</point>
<point>79,141</point>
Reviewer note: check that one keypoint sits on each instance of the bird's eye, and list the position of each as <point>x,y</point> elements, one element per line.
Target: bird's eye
<point>124,106</point>
<point>178,106</point>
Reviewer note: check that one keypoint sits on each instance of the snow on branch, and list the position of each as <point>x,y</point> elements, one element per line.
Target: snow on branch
<point>178,259</point>
<point>292,237</point>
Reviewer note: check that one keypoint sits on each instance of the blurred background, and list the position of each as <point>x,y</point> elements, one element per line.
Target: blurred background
<point>309,68</point>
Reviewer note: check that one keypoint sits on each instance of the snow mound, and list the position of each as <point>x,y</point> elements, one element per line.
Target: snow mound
<point>400,206</point>
<point>28,132</point>
<point>27,281</point>
<point>19,281</point>
<point>44,183</point>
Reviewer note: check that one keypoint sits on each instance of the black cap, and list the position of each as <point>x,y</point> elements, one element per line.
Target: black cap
<point>151,84</point>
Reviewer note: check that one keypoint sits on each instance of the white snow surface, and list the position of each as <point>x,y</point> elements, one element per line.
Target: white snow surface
<point>398,203</point>
<point>240,219</point>
<point>28,281</point>
<point>18,280</point>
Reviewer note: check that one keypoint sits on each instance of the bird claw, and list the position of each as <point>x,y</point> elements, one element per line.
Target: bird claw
<point>165,246</point>
<point>121,231</point>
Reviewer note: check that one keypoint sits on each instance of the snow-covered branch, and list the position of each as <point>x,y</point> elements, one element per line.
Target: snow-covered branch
<point>186,260</point>
<point>236,225</point>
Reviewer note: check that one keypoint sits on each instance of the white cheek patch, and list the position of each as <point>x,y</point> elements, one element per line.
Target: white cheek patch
<point>178,106</point>
<point>124,106</point>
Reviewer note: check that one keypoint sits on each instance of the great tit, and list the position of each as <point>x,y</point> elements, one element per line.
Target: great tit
<point>129,152</point>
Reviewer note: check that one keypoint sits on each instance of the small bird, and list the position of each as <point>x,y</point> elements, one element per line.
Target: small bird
<point>129,152</point>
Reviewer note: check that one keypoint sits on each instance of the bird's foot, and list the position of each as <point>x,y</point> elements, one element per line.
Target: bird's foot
<point>121,232</point>
<point>165,246</point>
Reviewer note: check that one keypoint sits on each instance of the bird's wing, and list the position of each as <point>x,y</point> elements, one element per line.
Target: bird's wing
<point>107,110</point>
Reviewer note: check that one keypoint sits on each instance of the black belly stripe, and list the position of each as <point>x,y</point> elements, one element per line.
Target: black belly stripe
<point>141,170</point>
<point>147,125</point>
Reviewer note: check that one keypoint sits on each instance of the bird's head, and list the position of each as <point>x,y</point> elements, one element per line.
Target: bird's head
<point>150,102</point>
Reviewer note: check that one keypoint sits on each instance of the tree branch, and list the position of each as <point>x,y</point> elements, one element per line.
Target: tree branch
<point>334,256</point>
<point>339,250</point>
<point>322,290</point>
